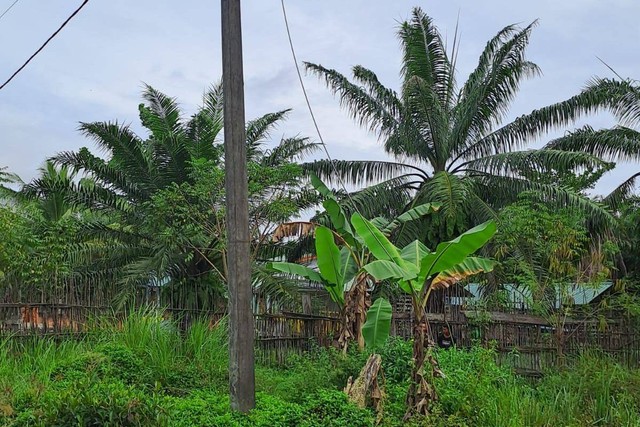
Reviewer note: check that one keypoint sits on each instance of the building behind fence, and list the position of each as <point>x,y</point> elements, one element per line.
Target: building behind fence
<point>528,343</point>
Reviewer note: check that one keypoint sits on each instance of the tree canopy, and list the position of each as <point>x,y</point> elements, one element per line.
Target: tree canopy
<point>450,141</point>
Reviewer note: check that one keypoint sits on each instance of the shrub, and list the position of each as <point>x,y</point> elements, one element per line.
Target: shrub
<point>397,354</point>
<point>273,412</point>
<point>125,364</point>
<point>90,403</point>
<point>201,409</point>
<point>84,365</point>
<point>472,378</point>
<point>305,375</point>
<point>329,408</point>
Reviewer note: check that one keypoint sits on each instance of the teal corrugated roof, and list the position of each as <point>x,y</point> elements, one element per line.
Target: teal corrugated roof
<point>580,294</point>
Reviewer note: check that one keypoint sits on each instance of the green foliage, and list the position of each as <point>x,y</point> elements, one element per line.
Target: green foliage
<point>376,329</point>
<point>305,375</point>
<point>417,270</point>
<point>201,409</point>
<point>126,365</point>
<point>108,380</point>
<point>336,266</point>
<point>322,409</point>
<point>396,360</point>
<point>549,252</point>
<point>450,142</point>
<point>89,403</point>
<point>630,240</point>
<point>33,249</point>
<point>331,265</point>
<point>152,208</point>
<point>331,409</point>
<point>415,264</point>
<point>471,377</point>
<point>619,144</point>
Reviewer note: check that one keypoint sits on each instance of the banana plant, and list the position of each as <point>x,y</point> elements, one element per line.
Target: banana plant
<point>419,271</point>
<point>357,306</point>
<point>340,268</point>
<point>336,266</point>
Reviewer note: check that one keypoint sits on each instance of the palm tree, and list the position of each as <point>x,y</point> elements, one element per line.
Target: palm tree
<point>52,192</point>
<point>7,177</point>
<point>159,200</point>
<point>449,143</point>
<point>47,220</point>
<point>618,144</point>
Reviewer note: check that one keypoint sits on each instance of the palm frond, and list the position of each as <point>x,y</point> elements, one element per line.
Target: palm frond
<point>122,144</point>
<point>492,86</point>
<point>448,190</point>
<point>161,114</point>
<point>599,95</point>
<point>105,174</point>
<point>425,56</point>
<point>387,199</point>
<point>521,163</point>
<point>8,177</point>
<point>258,129</point>
<point>622,192</point>
<point>501,190</point>
<point>616,144</point>
<point>213,103</point>
<point>289,149</point>
<point>361,105</point>
<point>203,131</point>
<point>425,135</point>
<point>627,108</point>
<point>358,172</point>
<point>278,288</point>
<point>386,97</point>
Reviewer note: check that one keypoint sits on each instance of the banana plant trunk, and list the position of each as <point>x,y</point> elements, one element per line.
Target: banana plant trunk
<point>356,303</point>
<point>422,391</point>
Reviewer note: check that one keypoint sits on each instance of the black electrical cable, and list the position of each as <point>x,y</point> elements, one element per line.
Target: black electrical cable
<point>45,43</point>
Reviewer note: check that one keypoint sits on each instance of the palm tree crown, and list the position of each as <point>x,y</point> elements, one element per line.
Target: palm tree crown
<point>159,200</point>
<point>451,142</point>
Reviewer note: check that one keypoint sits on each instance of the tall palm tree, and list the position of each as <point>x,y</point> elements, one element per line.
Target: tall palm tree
<point>159,200</point>
<point>449,142</point>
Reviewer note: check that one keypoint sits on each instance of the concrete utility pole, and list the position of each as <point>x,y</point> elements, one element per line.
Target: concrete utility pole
<point>241,330</point>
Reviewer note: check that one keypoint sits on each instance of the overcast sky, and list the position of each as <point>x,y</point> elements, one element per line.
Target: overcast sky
<point>94,69</point>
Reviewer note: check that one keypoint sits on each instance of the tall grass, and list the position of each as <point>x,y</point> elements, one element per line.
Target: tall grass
<point>143,370</point>
<point>594,391</point>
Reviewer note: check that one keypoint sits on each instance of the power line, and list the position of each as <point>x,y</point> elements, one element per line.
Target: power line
<point>315,124</point>
<point>9,8</point>
<point>45,43</point>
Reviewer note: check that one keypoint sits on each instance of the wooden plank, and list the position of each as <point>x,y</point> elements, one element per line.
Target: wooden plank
<point>496,316</point>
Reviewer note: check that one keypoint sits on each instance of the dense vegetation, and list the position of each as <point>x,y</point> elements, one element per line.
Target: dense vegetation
<point>148,213</point>
<point>143,372</point>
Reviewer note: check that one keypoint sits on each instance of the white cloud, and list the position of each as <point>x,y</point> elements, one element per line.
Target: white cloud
<point>94,69</point>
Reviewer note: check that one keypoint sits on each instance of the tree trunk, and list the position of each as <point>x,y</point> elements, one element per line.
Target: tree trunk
<point>422,390</point>
<point>356,303</point>
<point>366,390</point>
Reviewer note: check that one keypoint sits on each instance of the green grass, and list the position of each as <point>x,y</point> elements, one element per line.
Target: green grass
<point>145,372</point>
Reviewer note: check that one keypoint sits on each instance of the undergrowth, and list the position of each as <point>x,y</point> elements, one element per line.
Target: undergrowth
<point>144,372</point>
